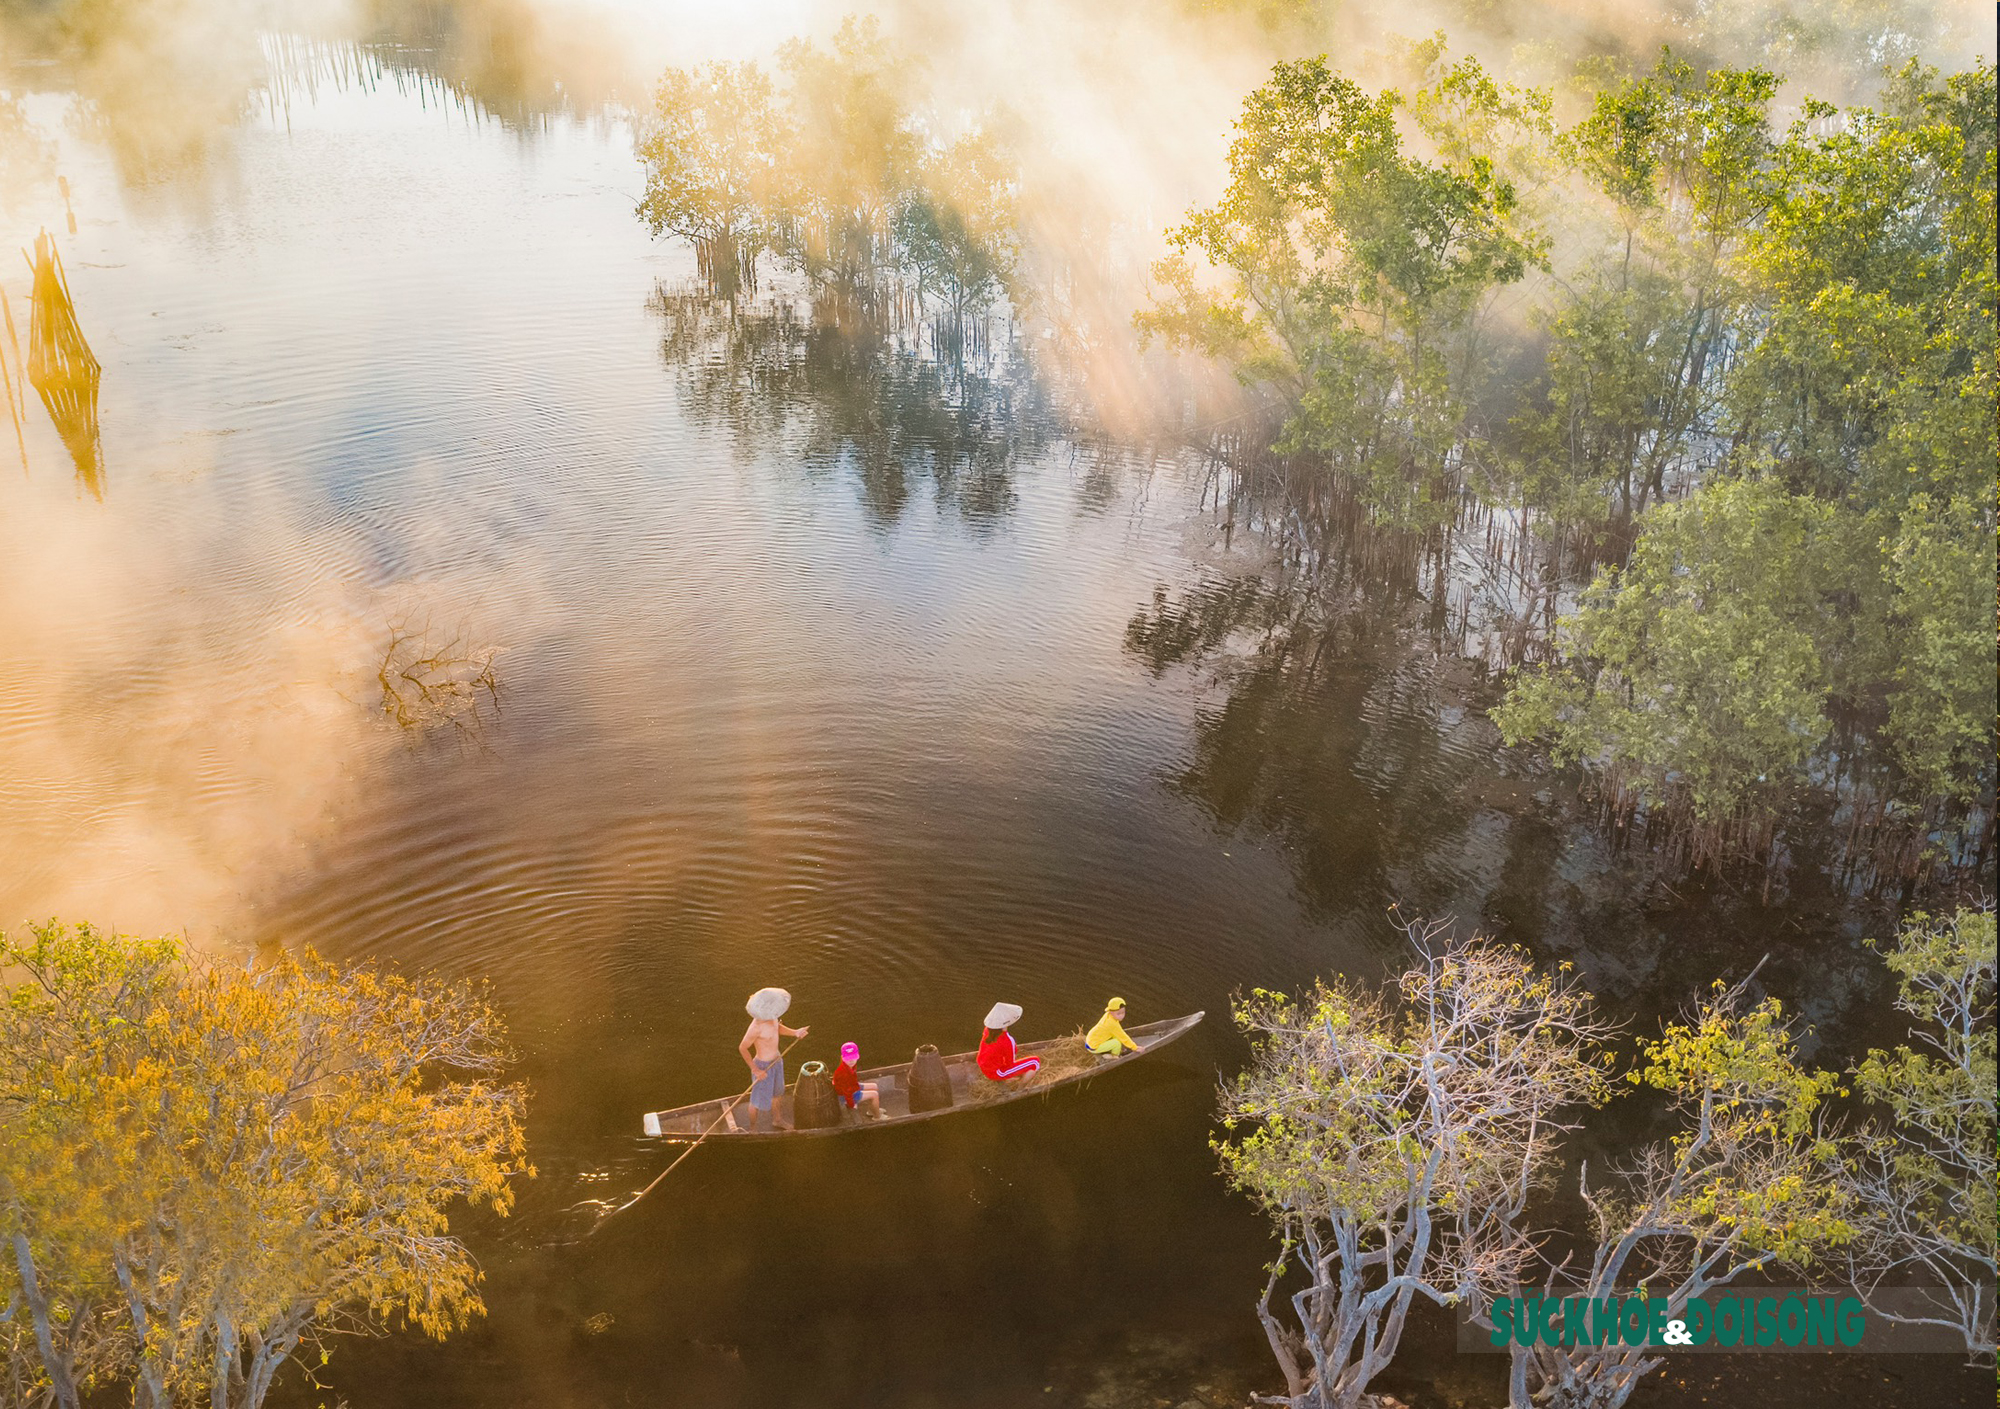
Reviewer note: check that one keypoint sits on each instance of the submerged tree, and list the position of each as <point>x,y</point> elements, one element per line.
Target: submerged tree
<point>1871,385</point>
<point>430,681</point>
<point>957,229</point>
<point>844,170</point>
<point>1708,685</point>
<point>1860,416</point>
<point>205,1167</point>
<point>711,147</point>
<point>1750,344</point>
<point>851,157</point>
<point>1343,273</point>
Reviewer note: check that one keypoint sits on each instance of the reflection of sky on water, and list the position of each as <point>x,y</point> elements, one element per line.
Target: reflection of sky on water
<point>375,363</point>
<point>425,351</point>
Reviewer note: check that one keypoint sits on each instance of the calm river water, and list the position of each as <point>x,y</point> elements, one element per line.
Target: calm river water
<point>811,673</point>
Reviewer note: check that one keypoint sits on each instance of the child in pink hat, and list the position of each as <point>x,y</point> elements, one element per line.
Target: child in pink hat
<point>849,1086</point>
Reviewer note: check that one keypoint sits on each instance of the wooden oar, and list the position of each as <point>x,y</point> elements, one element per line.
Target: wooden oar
<point>609,1214</point>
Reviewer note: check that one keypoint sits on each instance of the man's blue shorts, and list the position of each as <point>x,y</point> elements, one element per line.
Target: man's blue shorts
<point>768,1086</point>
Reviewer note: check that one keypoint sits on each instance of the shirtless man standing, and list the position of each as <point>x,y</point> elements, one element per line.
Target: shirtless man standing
<point>760,1052</point>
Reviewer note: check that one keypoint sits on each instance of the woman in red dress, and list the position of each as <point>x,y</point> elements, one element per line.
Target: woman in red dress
<point>997,1057</point>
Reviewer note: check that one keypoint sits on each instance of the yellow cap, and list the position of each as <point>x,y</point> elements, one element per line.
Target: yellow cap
<point>1114,1003</point>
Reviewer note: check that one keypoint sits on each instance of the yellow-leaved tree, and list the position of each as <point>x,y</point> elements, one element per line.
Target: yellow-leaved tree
<point>206,1165</point>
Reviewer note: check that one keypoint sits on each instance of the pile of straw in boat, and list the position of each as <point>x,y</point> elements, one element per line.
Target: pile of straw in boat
<point>1062,1059</point>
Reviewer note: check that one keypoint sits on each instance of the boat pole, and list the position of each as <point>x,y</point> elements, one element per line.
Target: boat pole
<point>610,1214</point>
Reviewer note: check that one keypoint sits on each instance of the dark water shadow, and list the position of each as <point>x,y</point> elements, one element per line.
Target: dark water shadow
<point>1338,721</point>
<point>851,1250</point>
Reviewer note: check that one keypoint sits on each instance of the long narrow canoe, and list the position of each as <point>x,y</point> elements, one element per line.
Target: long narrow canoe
<point>685,1123</point>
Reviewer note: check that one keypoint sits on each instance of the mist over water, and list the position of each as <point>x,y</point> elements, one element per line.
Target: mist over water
<point>816,666</point>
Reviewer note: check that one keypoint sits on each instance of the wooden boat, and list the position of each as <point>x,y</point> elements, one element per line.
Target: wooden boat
<point>687,1123</point>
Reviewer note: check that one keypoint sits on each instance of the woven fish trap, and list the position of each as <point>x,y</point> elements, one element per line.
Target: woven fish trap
<point>61,367</point>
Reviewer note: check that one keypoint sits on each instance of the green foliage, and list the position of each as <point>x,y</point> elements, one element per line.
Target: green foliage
<point>1707,677</point>
<point>1633,339</point>
<point>1316,1134</point>
<point>1683,148</point>
<point>1940,697</point>
<point>1791,334</point>
<point>1752,1110</point>
<point>956,227</point>
<point>203,1166</point>
<point>1944,977</point>
<point>852,152</point>
<point>1616,403</point>
<point>1860,410</point>
<point>1873,377</point>
<point>1395,1145</point>
<point>1753,1176</point>
<point>1472,118</point>
<point>1343,272</point>
<point>1335,1104</point>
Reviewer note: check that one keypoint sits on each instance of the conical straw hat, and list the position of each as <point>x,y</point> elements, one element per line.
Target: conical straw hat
<point>768,1004</point>
<point>1003,1015</point>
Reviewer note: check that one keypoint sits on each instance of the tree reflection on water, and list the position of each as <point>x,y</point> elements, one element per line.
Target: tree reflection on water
<point>1337,716</point>
<point>164,88</point>
<point>831,393</point>
<point>1339,729</point>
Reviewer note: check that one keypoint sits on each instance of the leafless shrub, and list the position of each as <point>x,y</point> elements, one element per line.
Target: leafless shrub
<point>430,683</point>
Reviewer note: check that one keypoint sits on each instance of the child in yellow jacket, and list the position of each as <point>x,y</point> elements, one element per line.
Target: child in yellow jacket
<point>1108,1038</point>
